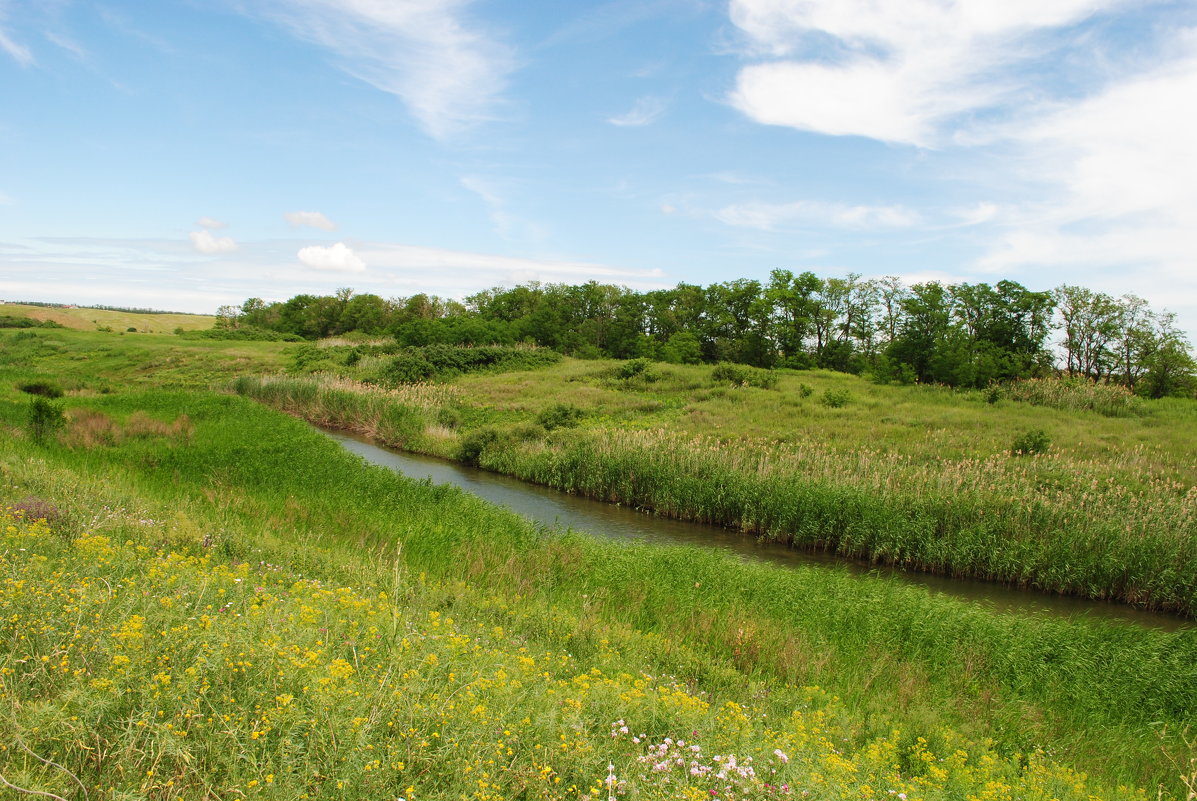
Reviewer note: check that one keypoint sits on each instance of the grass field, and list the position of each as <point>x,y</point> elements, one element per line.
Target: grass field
<point>501,660</point>
<point>82,319</point>
<point>915,476</point>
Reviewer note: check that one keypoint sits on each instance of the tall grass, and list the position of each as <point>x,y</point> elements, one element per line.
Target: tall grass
<point>260,487</point>
<point>1054,522</point>
<point>1112,400</point>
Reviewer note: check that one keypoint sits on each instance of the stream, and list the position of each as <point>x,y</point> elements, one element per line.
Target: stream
<point>553,508</point>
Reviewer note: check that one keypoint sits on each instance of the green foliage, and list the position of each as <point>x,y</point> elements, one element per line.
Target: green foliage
<point>804,391</point>
<point>835,398</point>
<point>244,333</point>
<point>560,415</point>
<point>430,362</point>
<point>13,321</point>
<point>632,368</point>
<point>46,389</point>
<point>44,419</point>
<point>740,375</point>
<point>475,444</point>
<point>1031,443</point>
<point>682,347</point>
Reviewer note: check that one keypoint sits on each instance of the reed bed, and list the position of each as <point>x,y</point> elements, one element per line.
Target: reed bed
<point>1048,522</point>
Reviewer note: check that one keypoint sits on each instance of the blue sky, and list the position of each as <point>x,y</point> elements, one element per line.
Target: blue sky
<point>183,155</point>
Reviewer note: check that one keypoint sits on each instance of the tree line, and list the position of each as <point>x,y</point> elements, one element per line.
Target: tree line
<point>966,335</point>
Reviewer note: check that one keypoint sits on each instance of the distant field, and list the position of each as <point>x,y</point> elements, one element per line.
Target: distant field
<point>91,319</point>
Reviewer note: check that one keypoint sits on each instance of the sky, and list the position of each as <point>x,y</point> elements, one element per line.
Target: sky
<point>183,154</point>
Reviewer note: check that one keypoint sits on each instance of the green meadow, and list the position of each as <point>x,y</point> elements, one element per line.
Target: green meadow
<point>202,597</point>
<point>914,476</point>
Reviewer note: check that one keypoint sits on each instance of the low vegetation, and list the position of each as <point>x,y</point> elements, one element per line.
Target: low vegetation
<point>222,602</point>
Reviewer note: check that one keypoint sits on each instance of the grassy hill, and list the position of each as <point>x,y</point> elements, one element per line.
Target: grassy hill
<point>84,319</point>
<point>224,603</point>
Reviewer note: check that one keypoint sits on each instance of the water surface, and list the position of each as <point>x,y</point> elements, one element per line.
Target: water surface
<point>554,508</point>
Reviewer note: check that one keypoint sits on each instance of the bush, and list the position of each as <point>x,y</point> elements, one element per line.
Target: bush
<point>836,398</point>
<point>632,368</point>
<point>804,391</point>
<point>743,376</point>
<point>44,419</point>
<point>444,361</point>
<point>1030,443</point>
<point>43,388</point>
<point>474,444</point>
<point>560,415</point>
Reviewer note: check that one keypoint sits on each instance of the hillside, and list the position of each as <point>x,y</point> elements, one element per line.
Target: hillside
<point>84,319</point>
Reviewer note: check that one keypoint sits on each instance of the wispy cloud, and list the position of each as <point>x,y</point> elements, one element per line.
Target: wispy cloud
<point>507,223</point>
<point>897,72</point>
<point>309,219</point>
<point>19,52</point>
<point>646,111</point>
<point>448,71</point>
<point>68,44</point>
<point>471,270</point>
<point>204,242</point>
<point>210,222</point>
<point>770,216</point>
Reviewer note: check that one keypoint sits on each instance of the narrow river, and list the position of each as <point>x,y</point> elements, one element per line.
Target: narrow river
<point>559,509</point>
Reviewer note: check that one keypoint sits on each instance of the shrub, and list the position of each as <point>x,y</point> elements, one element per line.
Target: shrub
<point>44,419</point>
<point>560,415</point>
<point>1030,443</point>
<point>632,368</point>
<point>43,388</point>
<point>836,398</point>
<point>804,391</point>
<point>743,376</point>
<point>474,444</point>
<point>427,362</point>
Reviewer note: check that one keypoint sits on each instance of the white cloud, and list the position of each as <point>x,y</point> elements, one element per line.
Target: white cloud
<point>646,111</point>
<point>337,258</point>
<point>6,199</point>
<point>1115,202</point>
<point>204,242</point>
<point>768,216</point>
<point>210,222</point>
<point>897,72</point>
<point>311,219</point>
<point>448,72</point>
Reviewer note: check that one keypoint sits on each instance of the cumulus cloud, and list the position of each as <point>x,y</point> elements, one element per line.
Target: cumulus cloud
<point>447,70</point>
<point>897,72</point>
<point>204,242</point>
<point>337,258</point>
<point>210,222</point>
<point>310,219</point>
<point>646,111</point>
<point>1115,201</point>
<point>769,216</point>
